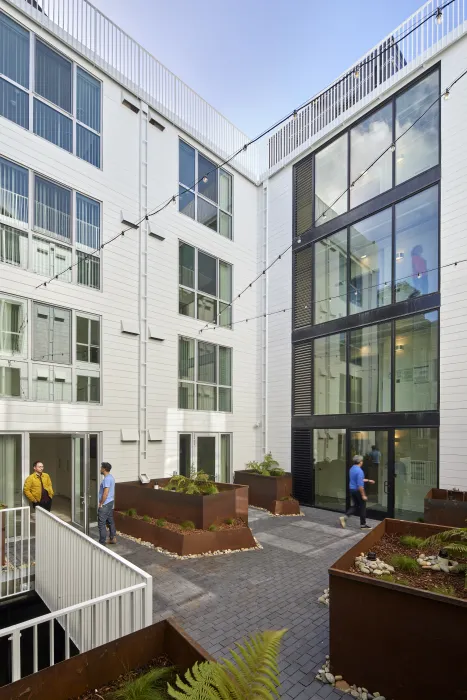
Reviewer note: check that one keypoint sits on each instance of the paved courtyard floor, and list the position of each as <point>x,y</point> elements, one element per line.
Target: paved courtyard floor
<point>219,600</point>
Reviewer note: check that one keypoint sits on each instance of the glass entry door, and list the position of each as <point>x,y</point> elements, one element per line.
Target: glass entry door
<point>206,455</point>
<point>84,480</point>
<point>373,446</point>
<point>209,452</point>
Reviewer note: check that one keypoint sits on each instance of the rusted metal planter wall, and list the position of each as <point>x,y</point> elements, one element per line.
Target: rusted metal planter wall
<point>230,502</point>
<point>264,491</point>
<point>72,678</point>
<point>444,507</point>
<point>404,643</point>
<point>183,544</point>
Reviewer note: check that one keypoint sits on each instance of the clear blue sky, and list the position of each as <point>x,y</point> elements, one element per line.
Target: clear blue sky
<point>255,60</point>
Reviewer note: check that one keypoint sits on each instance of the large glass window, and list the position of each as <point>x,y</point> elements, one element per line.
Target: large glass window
<point>330,469</point>
<point>14,190</point>
<point>52,207</point>
<point>205,286</point>
<point>14,104</point>
<point>416,469</point>
<point>88,99</point>
<point>330,277</point>
<point>418,149</point>
<point>416,245</point>
<point>205,191</point>
<point>330,375</point>
<point>371,262</point>
<point>88,223</point>
<point>53,76</point>
<point>370,369</point>
<point>14,51</point>
<point>368,140</point>
<point>12,327</point>
<point>205,376</point>
<point>416,362</point>
<point>51,334</point>
<point>331,181</point>
<point>87,340</point>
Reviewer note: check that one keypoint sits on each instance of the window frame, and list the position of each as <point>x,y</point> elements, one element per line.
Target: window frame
<point>30,91</point>
<point>87,365</point>
<point>197,293</point>
<point>196,382</point>
<point>194,189</point>
<point>23,353</point>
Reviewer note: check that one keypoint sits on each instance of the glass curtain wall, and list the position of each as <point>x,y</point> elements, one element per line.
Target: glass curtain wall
<point>371,262</point>
<point>330,374</point>
<point>416,362</point>
<point>329,459</point>
<point>330,278</point>
<point>415,469</point>
<point>373,446</point>
<point>370,369</point>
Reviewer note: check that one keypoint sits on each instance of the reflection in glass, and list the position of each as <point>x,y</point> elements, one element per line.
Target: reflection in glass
<point>207,214</point>
<point>417,245</point>
<point>415,469</point>
<point>186,302</point>
<point>368,140</point>
<point>418,149</point>
<point>184,460</point>
<point>207,274</point>
<point>330,469</point>
<point>416,363</point>
<point>373,446</point>
<point>186,164</point>
<point>329,375</point>
<point>186,202</point>
<point>370,262</point>
<point>370,369</point>
<point>330,275</point>
<point>11,483</point>
<point>207,178</point>
<point>331,181</point>
<point>186,265</point>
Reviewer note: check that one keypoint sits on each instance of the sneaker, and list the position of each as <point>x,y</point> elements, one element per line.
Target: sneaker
<point>113,540</point>
<point>343,521</point>
<point>365,527</point>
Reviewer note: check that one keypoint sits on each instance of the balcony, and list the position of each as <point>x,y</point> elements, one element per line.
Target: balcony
<point>52,222</point>
<point>13,208</point>
<point>93,595</point>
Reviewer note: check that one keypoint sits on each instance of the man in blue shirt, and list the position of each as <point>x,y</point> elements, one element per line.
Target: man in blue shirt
<point>357,492</point>
<point>105,512</point>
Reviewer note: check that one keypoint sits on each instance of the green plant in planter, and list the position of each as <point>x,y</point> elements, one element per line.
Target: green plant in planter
<point>404,563</point>
<point>268,467</point>
<point>252,674</point>
<point>197,483</point>
<point>150,686</point>
<point>161,522</point>
<point>229,521</point>
<point>454,541</point>
<point>411,541</point>
<point>213,527</point>
<point>187,525</point>
<point>131,512</point>
<point>146,518</point>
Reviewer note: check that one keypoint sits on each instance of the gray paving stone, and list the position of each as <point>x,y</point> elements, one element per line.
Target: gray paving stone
<point>220,600</point>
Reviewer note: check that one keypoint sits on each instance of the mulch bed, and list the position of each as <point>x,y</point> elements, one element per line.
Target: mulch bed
<point>424,579</point>
<point>105,691</point>
<point>237,524</point>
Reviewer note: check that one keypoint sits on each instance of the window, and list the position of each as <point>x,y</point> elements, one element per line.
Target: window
<point>13,246</point>
<point>10,382</point>
<point>370,369</point>
<point>51,259</point>
<point>51,334</point>
<point>13,320</point>
<point>87,389</point>
<point>205,191</point>
<point>14,189</point>
<point>88,240</point>
<point>329,366</point>
<point>205,286</point>
<point>71,106</point>
<point>371,262</point>
<point>205,376</point>
<point>331,181</point>
<point>52,209</point>
<point>368,139</point>
<point>330,277</point>
<point>417,245</point>
<point>416,362</point>
<point>51,383</point>
<point>87,340</point>
<point>418,149</point>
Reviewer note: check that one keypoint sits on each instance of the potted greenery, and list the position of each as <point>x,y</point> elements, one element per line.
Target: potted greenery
<point>270,487</point>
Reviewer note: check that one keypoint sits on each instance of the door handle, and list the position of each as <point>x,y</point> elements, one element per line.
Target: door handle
<point>385,487</point>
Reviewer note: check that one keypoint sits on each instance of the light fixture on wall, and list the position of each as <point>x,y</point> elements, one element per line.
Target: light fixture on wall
<point>399,256</point>
<point>399,347</point>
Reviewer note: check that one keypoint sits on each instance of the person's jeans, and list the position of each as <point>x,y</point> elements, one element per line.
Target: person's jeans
<point>105,515</point>
<point>358,506</point>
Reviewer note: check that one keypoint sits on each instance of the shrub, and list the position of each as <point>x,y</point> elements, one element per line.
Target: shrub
<point>160,522</point>
<point>253,673</point>
<point>146,518</point>
<point>268,467</point>
<point>404,563</point>
<point>411,541</point>
<point>229,521</point>
<point>444,590</point>
<point>150,686</point>
<point>187,525</point>
<point>132,512</point>
<point>213,527</point>
<point>197,483</point>
<point>454,541</point>
<point>420,520</point>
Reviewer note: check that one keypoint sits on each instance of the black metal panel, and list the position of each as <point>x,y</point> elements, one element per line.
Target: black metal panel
<point>302,472</point>
<point>355,421</point>
<point>302,288</point>
<point>302,377</point>
<point>303,196</point>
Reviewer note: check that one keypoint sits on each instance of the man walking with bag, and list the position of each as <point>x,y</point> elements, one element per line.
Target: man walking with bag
<point>105,512</point>
<point>357,492</point>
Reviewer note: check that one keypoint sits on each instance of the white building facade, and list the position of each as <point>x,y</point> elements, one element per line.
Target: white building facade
<point>117,338</point>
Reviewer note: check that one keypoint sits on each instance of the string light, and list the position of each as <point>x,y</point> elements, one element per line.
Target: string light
<point>447,94</point>
<point>356,73</point>
<point>439,16</point>
<point>205,179</point>
<point>392,147</point>
<point>295,114</point>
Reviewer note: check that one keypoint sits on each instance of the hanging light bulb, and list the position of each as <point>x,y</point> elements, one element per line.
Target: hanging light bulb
<point>205,179</point>
<point>323,215</point>
<point>299,240</point>
<point>439,15</point>
<point>356,73</point>
<point>447,94</point>
<point>295,114</point>
<point>393,147</point>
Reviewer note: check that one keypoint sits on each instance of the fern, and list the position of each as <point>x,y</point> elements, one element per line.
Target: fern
<point>198,483</point>
<point>252,675</point>
<point>454,541</point>
<point>268,467</point>
<point>150,686</point>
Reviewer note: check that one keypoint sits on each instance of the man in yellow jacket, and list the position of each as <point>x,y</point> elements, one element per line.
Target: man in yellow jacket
<point>38,487</point>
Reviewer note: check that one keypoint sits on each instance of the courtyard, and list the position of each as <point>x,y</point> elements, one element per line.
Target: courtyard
<point>219,600</point>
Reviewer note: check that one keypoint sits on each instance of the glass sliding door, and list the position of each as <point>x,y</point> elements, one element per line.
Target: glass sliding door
<point>85,480</point>
<point>330,469</point>
<point>206,455</point>
<point>415,469</point>
<point>94,481</point>
<point>184,454</point>
<point>373,446</point>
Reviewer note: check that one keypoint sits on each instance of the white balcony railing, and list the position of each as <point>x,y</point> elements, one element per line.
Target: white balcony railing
<point>88,237</point>
<point>13,246</point>
<point>13,207</point>
<point>52,221</point>
<point>15,551</point>
<point>92,593</point>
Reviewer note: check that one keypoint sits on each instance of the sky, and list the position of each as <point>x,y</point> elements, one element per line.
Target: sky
<point>256,60</point>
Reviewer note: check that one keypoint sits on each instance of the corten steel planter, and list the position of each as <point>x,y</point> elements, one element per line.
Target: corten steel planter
<point>267,491</point>
<point>203,511</point>
<point>199,542</point>
<point>95,668</point>
<point>393,638</point>
<point>443,507</point>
